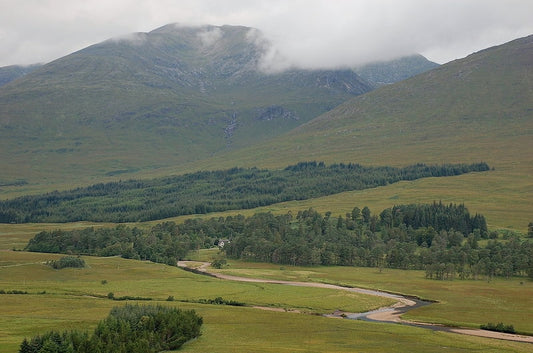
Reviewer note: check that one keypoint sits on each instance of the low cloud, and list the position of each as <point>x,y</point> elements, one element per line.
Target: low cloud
<point>210,36</point>
<point>132,38</point>
<point>303,33</point>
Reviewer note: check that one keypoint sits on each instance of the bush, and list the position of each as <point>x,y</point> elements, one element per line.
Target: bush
<point>67,261</point>
<point>499,327</point>
<point>221,301</point>
<point>14,291</point>
<point>218,263</point>
<point>130,328</point>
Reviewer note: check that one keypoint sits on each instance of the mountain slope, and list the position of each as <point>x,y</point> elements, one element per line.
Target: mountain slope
<point>477,108</point>
<point>147,100</point>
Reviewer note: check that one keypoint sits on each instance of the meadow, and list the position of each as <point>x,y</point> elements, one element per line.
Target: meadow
<point>467,303</point>
<point>77,299</point>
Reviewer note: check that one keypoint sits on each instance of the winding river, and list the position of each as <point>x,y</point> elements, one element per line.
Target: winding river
<point>391,314</point>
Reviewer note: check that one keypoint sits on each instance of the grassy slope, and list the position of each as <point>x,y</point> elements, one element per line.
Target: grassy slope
<point>476,109</point>
<point>226,329</point>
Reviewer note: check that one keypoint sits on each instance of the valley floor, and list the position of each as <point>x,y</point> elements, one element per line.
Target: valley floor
<point>390,314</point>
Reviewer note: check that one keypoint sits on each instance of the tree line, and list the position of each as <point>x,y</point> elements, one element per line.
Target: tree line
<point>441,239</point>
<point>163,243</point>
<point>127,329</point>
<point>211,191</point>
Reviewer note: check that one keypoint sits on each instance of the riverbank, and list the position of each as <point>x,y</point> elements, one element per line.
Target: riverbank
<point>391,314</point>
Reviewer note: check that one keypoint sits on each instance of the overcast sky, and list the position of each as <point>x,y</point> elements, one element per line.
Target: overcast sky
<point>305,33</point>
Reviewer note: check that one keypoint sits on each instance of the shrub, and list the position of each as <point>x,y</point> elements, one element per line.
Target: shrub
<point>130,328</point>
<point>218,263</point>
<point>221,301</point>
<point>67,261</point>
<point>499,327</point>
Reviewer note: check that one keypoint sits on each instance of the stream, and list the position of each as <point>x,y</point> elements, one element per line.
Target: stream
<point>390,314</point>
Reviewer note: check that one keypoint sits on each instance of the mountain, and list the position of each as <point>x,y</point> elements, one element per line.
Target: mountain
<point>476,108</point>
<point>392,71</point>
<point>11,73</point>
<point>150,100</point>
<point>479,108</point>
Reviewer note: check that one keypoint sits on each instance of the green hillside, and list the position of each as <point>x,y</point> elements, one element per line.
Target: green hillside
<point>149,100</point>
<point>479,108</point>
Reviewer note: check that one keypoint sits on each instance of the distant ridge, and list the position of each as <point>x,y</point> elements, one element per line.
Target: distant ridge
<point>12,72</point>
<point>387,72</point>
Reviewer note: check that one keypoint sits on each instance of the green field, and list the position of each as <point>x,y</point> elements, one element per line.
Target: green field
<point>468,303</point>
<point>75,298</point>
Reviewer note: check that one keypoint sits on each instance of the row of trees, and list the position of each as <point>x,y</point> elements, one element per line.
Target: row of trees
<point>441,239</point>
<point>163,243</point>
<point>211,191</point>
<point>127,329</point>
<point>361,239</point>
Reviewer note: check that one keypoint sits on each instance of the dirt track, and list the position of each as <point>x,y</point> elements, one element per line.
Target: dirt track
<point>390,314</point>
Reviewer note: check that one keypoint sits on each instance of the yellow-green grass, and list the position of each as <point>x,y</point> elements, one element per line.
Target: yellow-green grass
<point>467,303</point>
<point>244,330</point>
<point>16,236</point>
<point>68,304</point>
<point>63,291</point>
<point>204,255</point>
<point>504,200</point>
<point>27,271</point>
<point>502,197</point>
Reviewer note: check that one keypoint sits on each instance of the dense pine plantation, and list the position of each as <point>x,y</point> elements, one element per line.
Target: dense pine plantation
<point>442,239</point>
<point>130,328</point>
<point>211,191</point>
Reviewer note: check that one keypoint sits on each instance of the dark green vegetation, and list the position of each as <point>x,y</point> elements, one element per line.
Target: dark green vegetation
<point>14,291</point>
<point>67,261</point>
<point>442,239</point>
<point>205,192</point>
<point>127,329</point>
<point>163,243</point>
<point>220,301</point>
<point>401,237</point>
<point>499,327</point>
